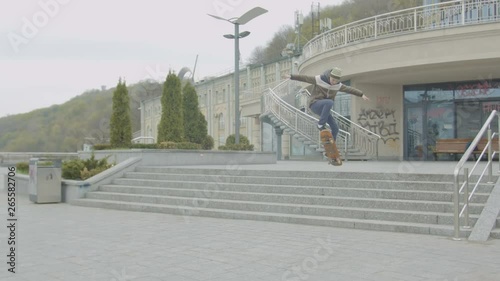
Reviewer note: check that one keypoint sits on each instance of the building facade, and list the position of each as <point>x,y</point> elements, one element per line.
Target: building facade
<point>431,72</point>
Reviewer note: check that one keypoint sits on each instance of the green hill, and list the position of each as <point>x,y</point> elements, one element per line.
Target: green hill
<point>65,127</point>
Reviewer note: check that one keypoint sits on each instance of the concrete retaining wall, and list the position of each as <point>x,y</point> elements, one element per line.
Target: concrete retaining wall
<point>153,157</point>
<point>73,189</point>
<point>128,160</point>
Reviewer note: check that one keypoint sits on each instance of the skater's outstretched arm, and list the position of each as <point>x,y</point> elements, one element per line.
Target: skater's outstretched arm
<point>303,78</point>
<point>353,91</point>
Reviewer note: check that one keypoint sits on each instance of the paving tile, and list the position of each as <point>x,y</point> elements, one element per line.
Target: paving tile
<point>65,242</point>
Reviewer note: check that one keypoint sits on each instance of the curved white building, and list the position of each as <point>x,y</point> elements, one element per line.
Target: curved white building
<point>431,72</point>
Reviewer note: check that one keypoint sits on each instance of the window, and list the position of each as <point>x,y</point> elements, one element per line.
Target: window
<point>221,121</point>
<point>222,140</point>
<point>243,121</point>
<point>444,111</point>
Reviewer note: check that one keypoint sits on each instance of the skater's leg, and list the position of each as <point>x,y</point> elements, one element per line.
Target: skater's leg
<point>333,125</point>
<point>322,108</point>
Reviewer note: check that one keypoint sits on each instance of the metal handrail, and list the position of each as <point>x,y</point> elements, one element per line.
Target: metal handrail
<point>412,20</point>
<point>143,138</point>
<point>463,188</point>
<point>362,138</point>
<point>300,122</point>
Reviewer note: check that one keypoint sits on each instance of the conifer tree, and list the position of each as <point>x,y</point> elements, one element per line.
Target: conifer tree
<point>195,124</point>
<point>171,126</point>
<point>120,124</point>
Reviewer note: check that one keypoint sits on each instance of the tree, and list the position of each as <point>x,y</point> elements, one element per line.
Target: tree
<point>258,55</point>
<point>195,125</point>
<point>121,126</point>
<point>274,47</point>
<point>171,126</point>
<point>142,90</point>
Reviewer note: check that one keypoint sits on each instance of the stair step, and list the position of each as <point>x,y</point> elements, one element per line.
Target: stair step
<point>352,202</point>
<point>416,203</point>
<point>300,174</point>
<point>303,182</point>
<point>285,208</point>
<point>273,217</point>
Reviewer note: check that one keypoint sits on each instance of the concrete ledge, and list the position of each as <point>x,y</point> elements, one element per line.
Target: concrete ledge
<point>11,158</point>
<point>166,157</point>
<point>488,219</point>
<point>73,189</point>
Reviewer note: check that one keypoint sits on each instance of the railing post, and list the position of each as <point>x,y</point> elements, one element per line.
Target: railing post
<point>490,154</point>
<point>345,35</point>
<point>279,134</point>
<point>466,198</point>
<point>296,125</point>
<point>375,27</point>
<point>345,147</point>
<point>415,23</point>
<point>456,209</point>
<point>463,12</point>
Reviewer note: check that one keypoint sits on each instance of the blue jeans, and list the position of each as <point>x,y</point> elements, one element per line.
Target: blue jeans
<point>322,108</point>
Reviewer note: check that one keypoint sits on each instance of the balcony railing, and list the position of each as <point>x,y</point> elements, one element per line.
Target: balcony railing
<point>413,20</point>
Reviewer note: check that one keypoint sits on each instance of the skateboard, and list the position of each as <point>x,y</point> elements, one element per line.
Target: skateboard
<point>331,150</point>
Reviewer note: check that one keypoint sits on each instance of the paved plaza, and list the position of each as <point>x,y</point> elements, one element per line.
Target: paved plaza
<point>71,243</point>
<point>64,242</point>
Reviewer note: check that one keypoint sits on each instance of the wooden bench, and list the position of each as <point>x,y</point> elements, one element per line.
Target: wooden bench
<point>458,146</point>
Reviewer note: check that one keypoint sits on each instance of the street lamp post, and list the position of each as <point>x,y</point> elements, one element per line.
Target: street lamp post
<point>246,17</point>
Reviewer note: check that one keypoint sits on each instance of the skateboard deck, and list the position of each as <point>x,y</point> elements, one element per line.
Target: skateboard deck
<point>331,150</point>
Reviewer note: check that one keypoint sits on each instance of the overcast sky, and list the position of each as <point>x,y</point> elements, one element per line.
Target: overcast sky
<point>54,50</point>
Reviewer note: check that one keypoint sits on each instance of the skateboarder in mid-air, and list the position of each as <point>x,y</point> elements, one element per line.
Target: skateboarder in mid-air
<point>323,92</point>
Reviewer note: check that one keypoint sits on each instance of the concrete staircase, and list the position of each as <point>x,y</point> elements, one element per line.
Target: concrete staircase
<point>496,232</point>
<point>412,203</point>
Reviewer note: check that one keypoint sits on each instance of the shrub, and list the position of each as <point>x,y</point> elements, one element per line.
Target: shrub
<point>144,145</point>
<point>102,146</point>
<point>188,145</point>
<point>23,167</point>
<point>85,173</point>
<point>207,143</point>
<point>231,139</point>
<point>71,169</point>
<point>237,147</point>
<point>167,145</point>
<point>79,169</point>
<point>231,144</point>
<point>179,145</point>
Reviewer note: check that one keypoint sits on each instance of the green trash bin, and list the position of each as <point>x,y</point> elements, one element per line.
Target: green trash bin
<point>45,180</point>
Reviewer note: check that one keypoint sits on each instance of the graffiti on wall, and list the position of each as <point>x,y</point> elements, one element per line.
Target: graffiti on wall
<point>381,120</point>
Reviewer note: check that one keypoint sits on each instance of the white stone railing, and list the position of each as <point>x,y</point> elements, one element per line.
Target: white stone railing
<point>413,20</point>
